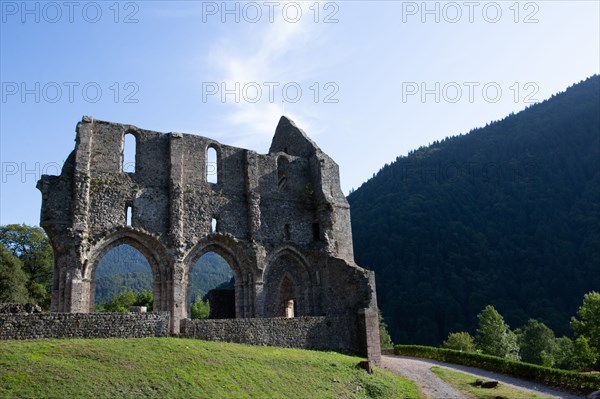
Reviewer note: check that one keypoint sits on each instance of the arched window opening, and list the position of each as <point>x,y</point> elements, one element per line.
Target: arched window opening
<point>214,225</point>
<point>282,172</point>
<point>128,215</point>
<point>122,279</point>
<point>286,279</point>
<point>129,153</point>
<point>212,165</point>
<point>211,289</point>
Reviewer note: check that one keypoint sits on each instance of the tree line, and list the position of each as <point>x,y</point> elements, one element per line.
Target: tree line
<point>535,342</point>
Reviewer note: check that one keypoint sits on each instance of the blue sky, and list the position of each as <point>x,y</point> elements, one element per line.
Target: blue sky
<point>368,81</point>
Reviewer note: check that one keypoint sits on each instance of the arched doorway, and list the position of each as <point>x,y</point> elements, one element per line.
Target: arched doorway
<point>288,287</point>
<point>134,252</point>
<point>123,278</point>
<point>234,256</point>
<point>211,288</point>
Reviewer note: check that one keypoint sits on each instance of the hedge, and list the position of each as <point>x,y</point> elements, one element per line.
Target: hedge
<point>571,380</point>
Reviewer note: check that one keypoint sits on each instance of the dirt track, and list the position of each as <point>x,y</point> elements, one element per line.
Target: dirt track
<point>419,370</point>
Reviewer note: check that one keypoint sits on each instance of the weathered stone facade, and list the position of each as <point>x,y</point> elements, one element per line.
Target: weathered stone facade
<point>280,220</point>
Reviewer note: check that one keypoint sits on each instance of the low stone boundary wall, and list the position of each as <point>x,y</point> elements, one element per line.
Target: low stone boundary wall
<point>323,332</point>
<point>83,325</point>
<point>19,308</point>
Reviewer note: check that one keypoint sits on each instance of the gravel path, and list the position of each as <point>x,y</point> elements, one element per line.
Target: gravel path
<point>419,370</point>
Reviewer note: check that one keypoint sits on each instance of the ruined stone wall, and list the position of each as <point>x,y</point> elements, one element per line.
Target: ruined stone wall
<point>78,325</point>
<point>282,221</point>
<point>332,333</point>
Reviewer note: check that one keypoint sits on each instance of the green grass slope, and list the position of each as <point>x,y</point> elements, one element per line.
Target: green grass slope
<point>183,368</point>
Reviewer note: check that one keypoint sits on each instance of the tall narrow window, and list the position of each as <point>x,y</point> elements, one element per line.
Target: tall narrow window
<point>287,232</point>
<point>214,225</point>
<point>282,172</point>
<point>128,215</point>
<point>316,228</point>
<point>129,151</point>
<point>212,166</point>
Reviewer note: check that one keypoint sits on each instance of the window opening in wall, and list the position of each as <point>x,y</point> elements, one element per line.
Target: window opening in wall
<point>211,165</point>
<point>214,225</point>
<point>286,231</point>
<point>128,216</point>
<point>316,229</point>
<point>129,151</point>
<point>282,172</point>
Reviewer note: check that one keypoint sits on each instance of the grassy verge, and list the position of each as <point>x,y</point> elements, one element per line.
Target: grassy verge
<point>182,368</point>
<point>464,383</point>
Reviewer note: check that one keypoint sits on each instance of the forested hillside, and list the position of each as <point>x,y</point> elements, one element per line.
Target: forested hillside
<point>507,215</point>
<point>125,268</point>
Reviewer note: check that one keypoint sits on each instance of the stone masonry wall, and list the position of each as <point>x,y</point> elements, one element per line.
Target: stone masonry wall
<point>19,308</point>
<point>280,220</point>
<point>322,332</point>
<point>80,325</point>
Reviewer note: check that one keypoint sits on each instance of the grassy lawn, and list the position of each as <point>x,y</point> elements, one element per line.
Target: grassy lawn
<point>183,368</point>
<point>464,383</point>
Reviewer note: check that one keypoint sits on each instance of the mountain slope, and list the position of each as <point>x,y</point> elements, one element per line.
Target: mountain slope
<point>125,268</point>
<point>507,215</point>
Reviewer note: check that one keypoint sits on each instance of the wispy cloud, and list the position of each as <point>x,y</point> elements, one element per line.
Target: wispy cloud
<point>270,55</point>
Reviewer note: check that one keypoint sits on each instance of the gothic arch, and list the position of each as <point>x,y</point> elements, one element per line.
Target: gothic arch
<point>285,266</point>
<point>233,253</point>
<point>148,246</point>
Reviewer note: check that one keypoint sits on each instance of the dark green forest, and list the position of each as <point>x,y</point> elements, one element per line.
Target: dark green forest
<point>507,215</point>
<point>125,268</point>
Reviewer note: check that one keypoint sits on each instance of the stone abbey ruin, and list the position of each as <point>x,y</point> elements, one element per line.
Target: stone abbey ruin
<point>280,220</point>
